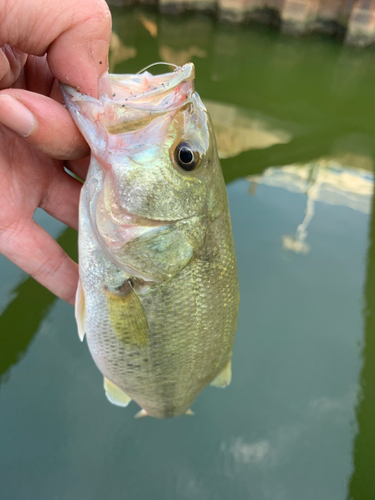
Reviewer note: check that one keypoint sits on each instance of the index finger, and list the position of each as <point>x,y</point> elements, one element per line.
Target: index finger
<point>74,34</point>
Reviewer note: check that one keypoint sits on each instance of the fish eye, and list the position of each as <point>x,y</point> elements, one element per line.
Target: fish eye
<point>187,156</point>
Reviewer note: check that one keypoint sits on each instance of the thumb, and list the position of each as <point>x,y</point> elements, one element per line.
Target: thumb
<point>75,36</point>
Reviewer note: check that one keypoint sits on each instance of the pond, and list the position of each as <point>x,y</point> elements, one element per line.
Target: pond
<point>295,126</point>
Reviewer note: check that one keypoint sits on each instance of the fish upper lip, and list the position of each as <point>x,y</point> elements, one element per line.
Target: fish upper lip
<point>183,74</point>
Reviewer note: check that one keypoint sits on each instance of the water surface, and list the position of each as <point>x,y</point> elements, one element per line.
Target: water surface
<point>295,127</point>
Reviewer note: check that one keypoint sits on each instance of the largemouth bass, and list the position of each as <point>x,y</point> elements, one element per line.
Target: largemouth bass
<point>158,293</point>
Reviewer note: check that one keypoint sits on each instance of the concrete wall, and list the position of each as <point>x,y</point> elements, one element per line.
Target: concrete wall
<point>353,21</point>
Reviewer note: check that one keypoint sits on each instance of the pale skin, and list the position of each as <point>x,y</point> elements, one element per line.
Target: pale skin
<point>43,42</point>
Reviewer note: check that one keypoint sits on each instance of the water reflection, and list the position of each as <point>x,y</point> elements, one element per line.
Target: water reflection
<point>238,130</point>
<point>320,92</point>
<point>244,453</point>
<point>21,319</point>
<point>295,127</point>
<point>362,484</point>
<point>149,24</point>
<point>326,180</point>
<point>119,52</point>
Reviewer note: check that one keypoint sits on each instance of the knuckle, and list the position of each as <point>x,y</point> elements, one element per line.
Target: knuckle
<point>98,17</point>
<point>49,268</point>
<point>9,230</point>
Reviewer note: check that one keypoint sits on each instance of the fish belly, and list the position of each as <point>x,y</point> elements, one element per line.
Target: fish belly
<point>191,321</point>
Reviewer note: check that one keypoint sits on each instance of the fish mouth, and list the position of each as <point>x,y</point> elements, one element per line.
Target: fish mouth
<point>137,100</point>
<point>125,97</point>
<point>134,90</point>
<point>126,105</point>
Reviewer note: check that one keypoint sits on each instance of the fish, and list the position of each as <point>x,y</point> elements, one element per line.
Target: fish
<point>158,293</point>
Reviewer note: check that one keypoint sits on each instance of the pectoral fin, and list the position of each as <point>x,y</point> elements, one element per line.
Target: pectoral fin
<point>115,395</point>
<point>224,377</point>
<point>127,316</point>
<point>80,312</point>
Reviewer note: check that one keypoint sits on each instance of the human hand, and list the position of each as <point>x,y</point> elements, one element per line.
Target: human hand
<point>43,42</point>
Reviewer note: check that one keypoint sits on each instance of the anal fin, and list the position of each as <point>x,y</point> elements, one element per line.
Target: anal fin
<point>115,395</point>
<point>141,414</point>
<point>224,377</point>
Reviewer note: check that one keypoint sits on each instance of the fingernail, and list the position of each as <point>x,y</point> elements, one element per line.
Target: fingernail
<point>16,116</point>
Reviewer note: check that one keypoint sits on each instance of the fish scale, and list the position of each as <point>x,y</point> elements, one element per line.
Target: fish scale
<point>158,295</point>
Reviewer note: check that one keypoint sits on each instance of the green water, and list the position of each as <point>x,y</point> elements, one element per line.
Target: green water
<point>297,422</point>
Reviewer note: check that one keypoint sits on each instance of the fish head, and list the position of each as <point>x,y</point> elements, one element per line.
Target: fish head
<point>154,142</point>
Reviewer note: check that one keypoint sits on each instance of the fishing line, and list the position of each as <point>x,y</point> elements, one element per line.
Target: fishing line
<point>155,64</point>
